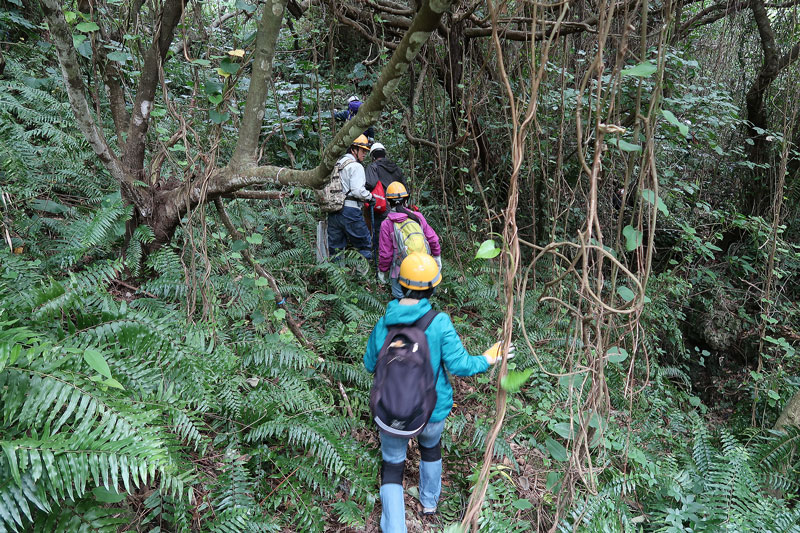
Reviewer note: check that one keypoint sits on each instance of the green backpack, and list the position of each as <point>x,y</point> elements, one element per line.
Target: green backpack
<point>409,238</point>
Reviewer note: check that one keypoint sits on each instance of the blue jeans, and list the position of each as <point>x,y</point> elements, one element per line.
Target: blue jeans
<point>348,226</point>
<point>393,450</point>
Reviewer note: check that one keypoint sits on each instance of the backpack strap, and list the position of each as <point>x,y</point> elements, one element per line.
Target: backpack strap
<point>422,323</point>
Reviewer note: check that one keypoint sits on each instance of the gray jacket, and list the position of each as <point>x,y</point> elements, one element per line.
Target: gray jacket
<point>353,180</point>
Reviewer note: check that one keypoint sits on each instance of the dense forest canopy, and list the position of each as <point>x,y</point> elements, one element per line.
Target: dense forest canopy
<point>616,189</point>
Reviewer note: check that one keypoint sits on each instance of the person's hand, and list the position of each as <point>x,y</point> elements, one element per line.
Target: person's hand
<point>382,277</point>
<point>438,260</point>
<point>495,353</point>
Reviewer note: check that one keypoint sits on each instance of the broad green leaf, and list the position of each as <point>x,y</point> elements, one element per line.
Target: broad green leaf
<point>633,237</point>
<point>201,62</point>
<point>228,67</point>
<point>642,70</point>
<point>514,380</point>
<point>255,238</point>
<point>552,480</point>
<point>119,57</point>
<point>87,27</point>
<point>96,360</point>
<point>261,282</point>
<point>111,382</point>
<point>624,145</point>
<point>77,40</point>
<point>215,99</point>
<point>487,250</point>
<point>69,16</point>
<point>217,117</point>
<point>651,198</point>
<point>616,354</point>
<point>104,495</point>
<point>672,119</point>
<point>556,449</point>
<point>279,314</point>
<point>522,504</point>
<point>564,430</point>
<point>625,293</point>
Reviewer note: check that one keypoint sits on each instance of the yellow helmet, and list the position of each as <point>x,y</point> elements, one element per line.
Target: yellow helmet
<point>362,142</point>
<point>396,190</point>
<point>419,272</point>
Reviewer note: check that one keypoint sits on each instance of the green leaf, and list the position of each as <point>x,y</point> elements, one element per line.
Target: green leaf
<point>279,314</point>
<point>229,67</point>
<point>104,495</point>
<point>556,449</point>
<point>642,70</point>
<point>633,237</point>
<point>694,401</point>
<point>625,293</point>
<point>564,430</point>
<point>624,145</point>
<point>514,380</point>
<point>119,57</point>
<point>201,62</point>
<point>11,455</point>
<point>651,198</point>
<point>217,117</point>
<point>215,99</point>
<point>96,360</point>
<point>77,40</point>
<point>261,282</point>
<point>87,27</point>
<point>672,119</point>
<point>111,382</point>
<point>255,238</point>
<point>616,354</point>
<point>522,504</point>
<point>487,250</point>
<point>552,480</point>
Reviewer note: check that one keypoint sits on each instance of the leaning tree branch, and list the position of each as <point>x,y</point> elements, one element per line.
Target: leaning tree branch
<point>73,82</point>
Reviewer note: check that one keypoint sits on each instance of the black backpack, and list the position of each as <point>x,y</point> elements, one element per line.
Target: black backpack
<point>403,394</point>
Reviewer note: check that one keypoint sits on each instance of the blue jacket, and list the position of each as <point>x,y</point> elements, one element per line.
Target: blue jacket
<point>444,344</point>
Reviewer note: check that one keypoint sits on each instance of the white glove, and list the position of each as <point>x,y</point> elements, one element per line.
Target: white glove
<point>495,353</point>
<point>382,277</point>
<point>438,260</point>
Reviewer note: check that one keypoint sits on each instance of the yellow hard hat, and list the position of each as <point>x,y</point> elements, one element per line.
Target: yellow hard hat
<point>362,142</point>
<point>419,272</point>
<point>396,190</point>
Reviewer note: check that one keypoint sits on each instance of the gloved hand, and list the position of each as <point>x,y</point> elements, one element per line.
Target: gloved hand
<point>382,277</point>
<point>438,260</point>
<point>495,353</point>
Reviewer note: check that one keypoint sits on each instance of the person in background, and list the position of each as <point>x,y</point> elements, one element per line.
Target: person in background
<point>419,276</point>
<point>343,115</point>
<point>380,173</point>
<point>347,225</point>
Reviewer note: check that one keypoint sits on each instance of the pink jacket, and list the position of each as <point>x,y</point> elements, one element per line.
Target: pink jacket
<point>387,246</point>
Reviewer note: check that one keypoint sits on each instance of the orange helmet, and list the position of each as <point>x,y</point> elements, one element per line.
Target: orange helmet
<point>396,190</point>
<point>419,272</point>
<point>361,142</point>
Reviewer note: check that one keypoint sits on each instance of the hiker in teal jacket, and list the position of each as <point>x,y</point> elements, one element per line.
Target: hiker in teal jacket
<point>419,275</point>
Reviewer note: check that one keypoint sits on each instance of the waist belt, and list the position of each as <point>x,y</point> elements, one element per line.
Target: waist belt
<point>351,202</point>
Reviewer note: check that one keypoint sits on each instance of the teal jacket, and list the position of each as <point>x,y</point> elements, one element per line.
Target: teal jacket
<point>445,347</point>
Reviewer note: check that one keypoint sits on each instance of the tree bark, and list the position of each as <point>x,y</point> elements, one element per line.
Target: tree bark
<point>758,192</point>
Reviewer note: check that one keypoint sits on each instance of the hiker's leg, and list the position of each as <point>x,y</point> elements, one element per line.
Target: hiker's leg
<point>357,232</point>
<point>337,238</point>
<point>430,465</point>
<point>397,289</point>
<point>393,513</point>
